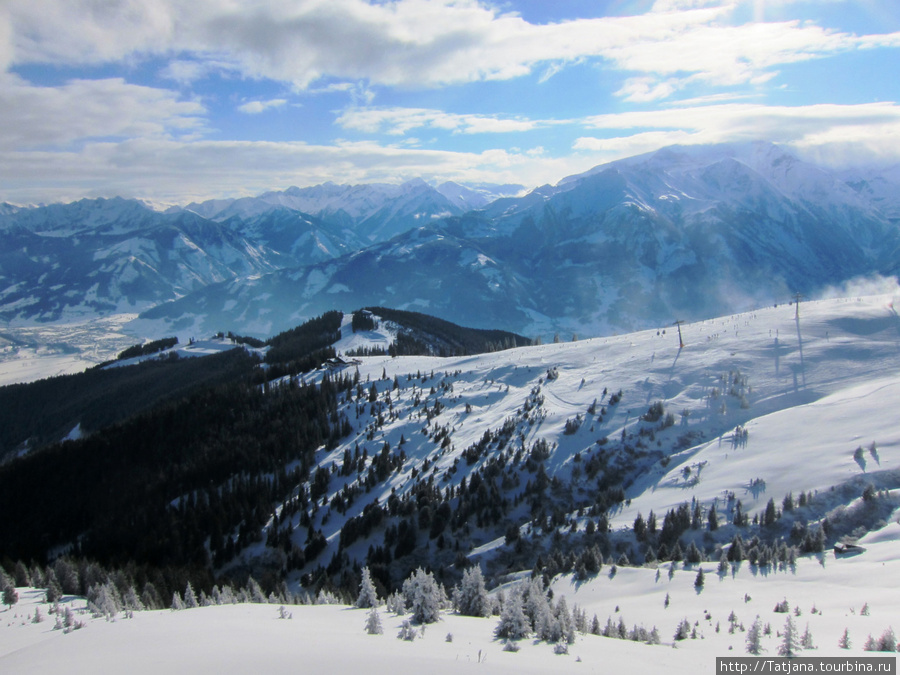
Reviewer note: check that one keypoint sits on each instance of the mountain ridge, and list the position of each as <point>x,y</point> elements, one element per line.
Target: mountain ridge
<point>683,232</point>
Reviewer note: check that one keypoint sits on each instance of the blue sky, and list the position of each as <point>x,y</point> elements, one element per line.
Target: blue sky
<point>178,100</point>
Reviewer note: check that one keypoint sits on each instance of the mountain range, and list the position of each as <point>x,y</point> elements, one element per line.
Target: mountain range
<point>680,233</point>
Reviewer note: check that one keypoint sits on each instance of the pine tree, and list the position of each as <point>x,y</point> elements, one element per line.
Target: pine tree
<point>789,646</point>
<point>683,631</point>
<point>423,595</point>
<point>10,596</point>
<point>844,642</point>
<point>564,620</point>
<point>470,598</point>
<point>806,640</point>
<point>190,599</point>
<point>699,580</point>
<point>513,624</point>
<point>754,638</point>
<point>367,598</point>
<point>888,641</point>
<point>373,622</point>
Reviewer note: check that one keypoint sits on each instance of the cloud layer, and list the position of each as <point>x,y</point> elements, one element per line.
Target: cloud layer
<point>687,71</point>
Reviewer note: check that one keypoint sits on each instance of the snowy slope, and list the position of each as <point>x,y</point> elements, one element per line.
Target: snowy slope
<point>808,386</point>
<point>830,595</point>
<point>807,401</point>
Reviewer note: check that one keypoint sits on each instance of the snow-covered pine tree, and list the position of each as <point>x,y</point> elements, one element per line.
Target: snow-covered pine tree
<point>373,622</point>
<point>470,598</point>
<point>367,598</point>
<point>255,591</point>
<point>754,638</point>
<point>789,646</point>
<point>888,641</point>
<point>396,603</point>
<point>564,619</point>
<point>806,640</point>
<point>190,598</point>
<point>513,624</point>
<point>844,641</point>
<point>423,596</point>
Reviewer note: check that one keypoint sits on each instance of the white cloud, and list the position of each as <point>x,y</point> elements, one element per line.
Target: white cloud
<point>32,116</point>
<point>644,89</point>
<point>398,121</point>
<point>173,171</point>
<point>256,107</point>
<point>410,42</point>
<point>833,134</point>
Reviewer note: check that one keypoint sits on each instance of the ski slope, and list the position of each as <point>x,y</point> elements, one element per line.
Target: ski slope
<point>814,386</point>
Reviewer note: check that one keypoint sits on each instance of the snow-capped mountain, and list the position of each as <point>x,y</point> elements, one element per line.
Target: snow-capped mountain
<point>681,233</point>
<point>425,269</point>
<point>374,212</point>
<point>107,256</point>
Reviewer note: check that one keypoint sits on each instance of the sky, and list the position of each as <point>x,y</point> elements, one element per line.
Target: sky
<point>181,100</point>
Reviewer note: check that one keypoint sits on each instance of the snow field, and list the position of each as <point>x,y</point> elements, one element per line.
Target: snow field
<point>332,639</point>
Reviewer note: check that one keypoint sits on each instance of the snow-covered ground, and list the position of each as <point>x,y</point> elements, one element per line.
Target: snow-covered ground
<point>808,390</point>
<point>34,352</point>
<point>830,595</point>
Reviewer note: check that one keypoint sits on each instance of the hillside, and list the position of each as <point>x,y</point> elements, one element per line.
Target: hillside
<point>553,459</point>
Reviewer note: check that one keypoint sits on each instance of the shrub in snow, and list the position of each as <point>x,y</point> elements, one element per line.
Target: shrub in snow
<point>373,622</point>
<point>683,631</point>
<point>510,646</point>
<point>470,598</point>
<point>38,617</point>
<point>424,596</point>
<point>327,598</point>
<point>396,603</point>
<point>367,596</point>
<point>407,632</point>
<point>561,648</point>
<point>284,614</point>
